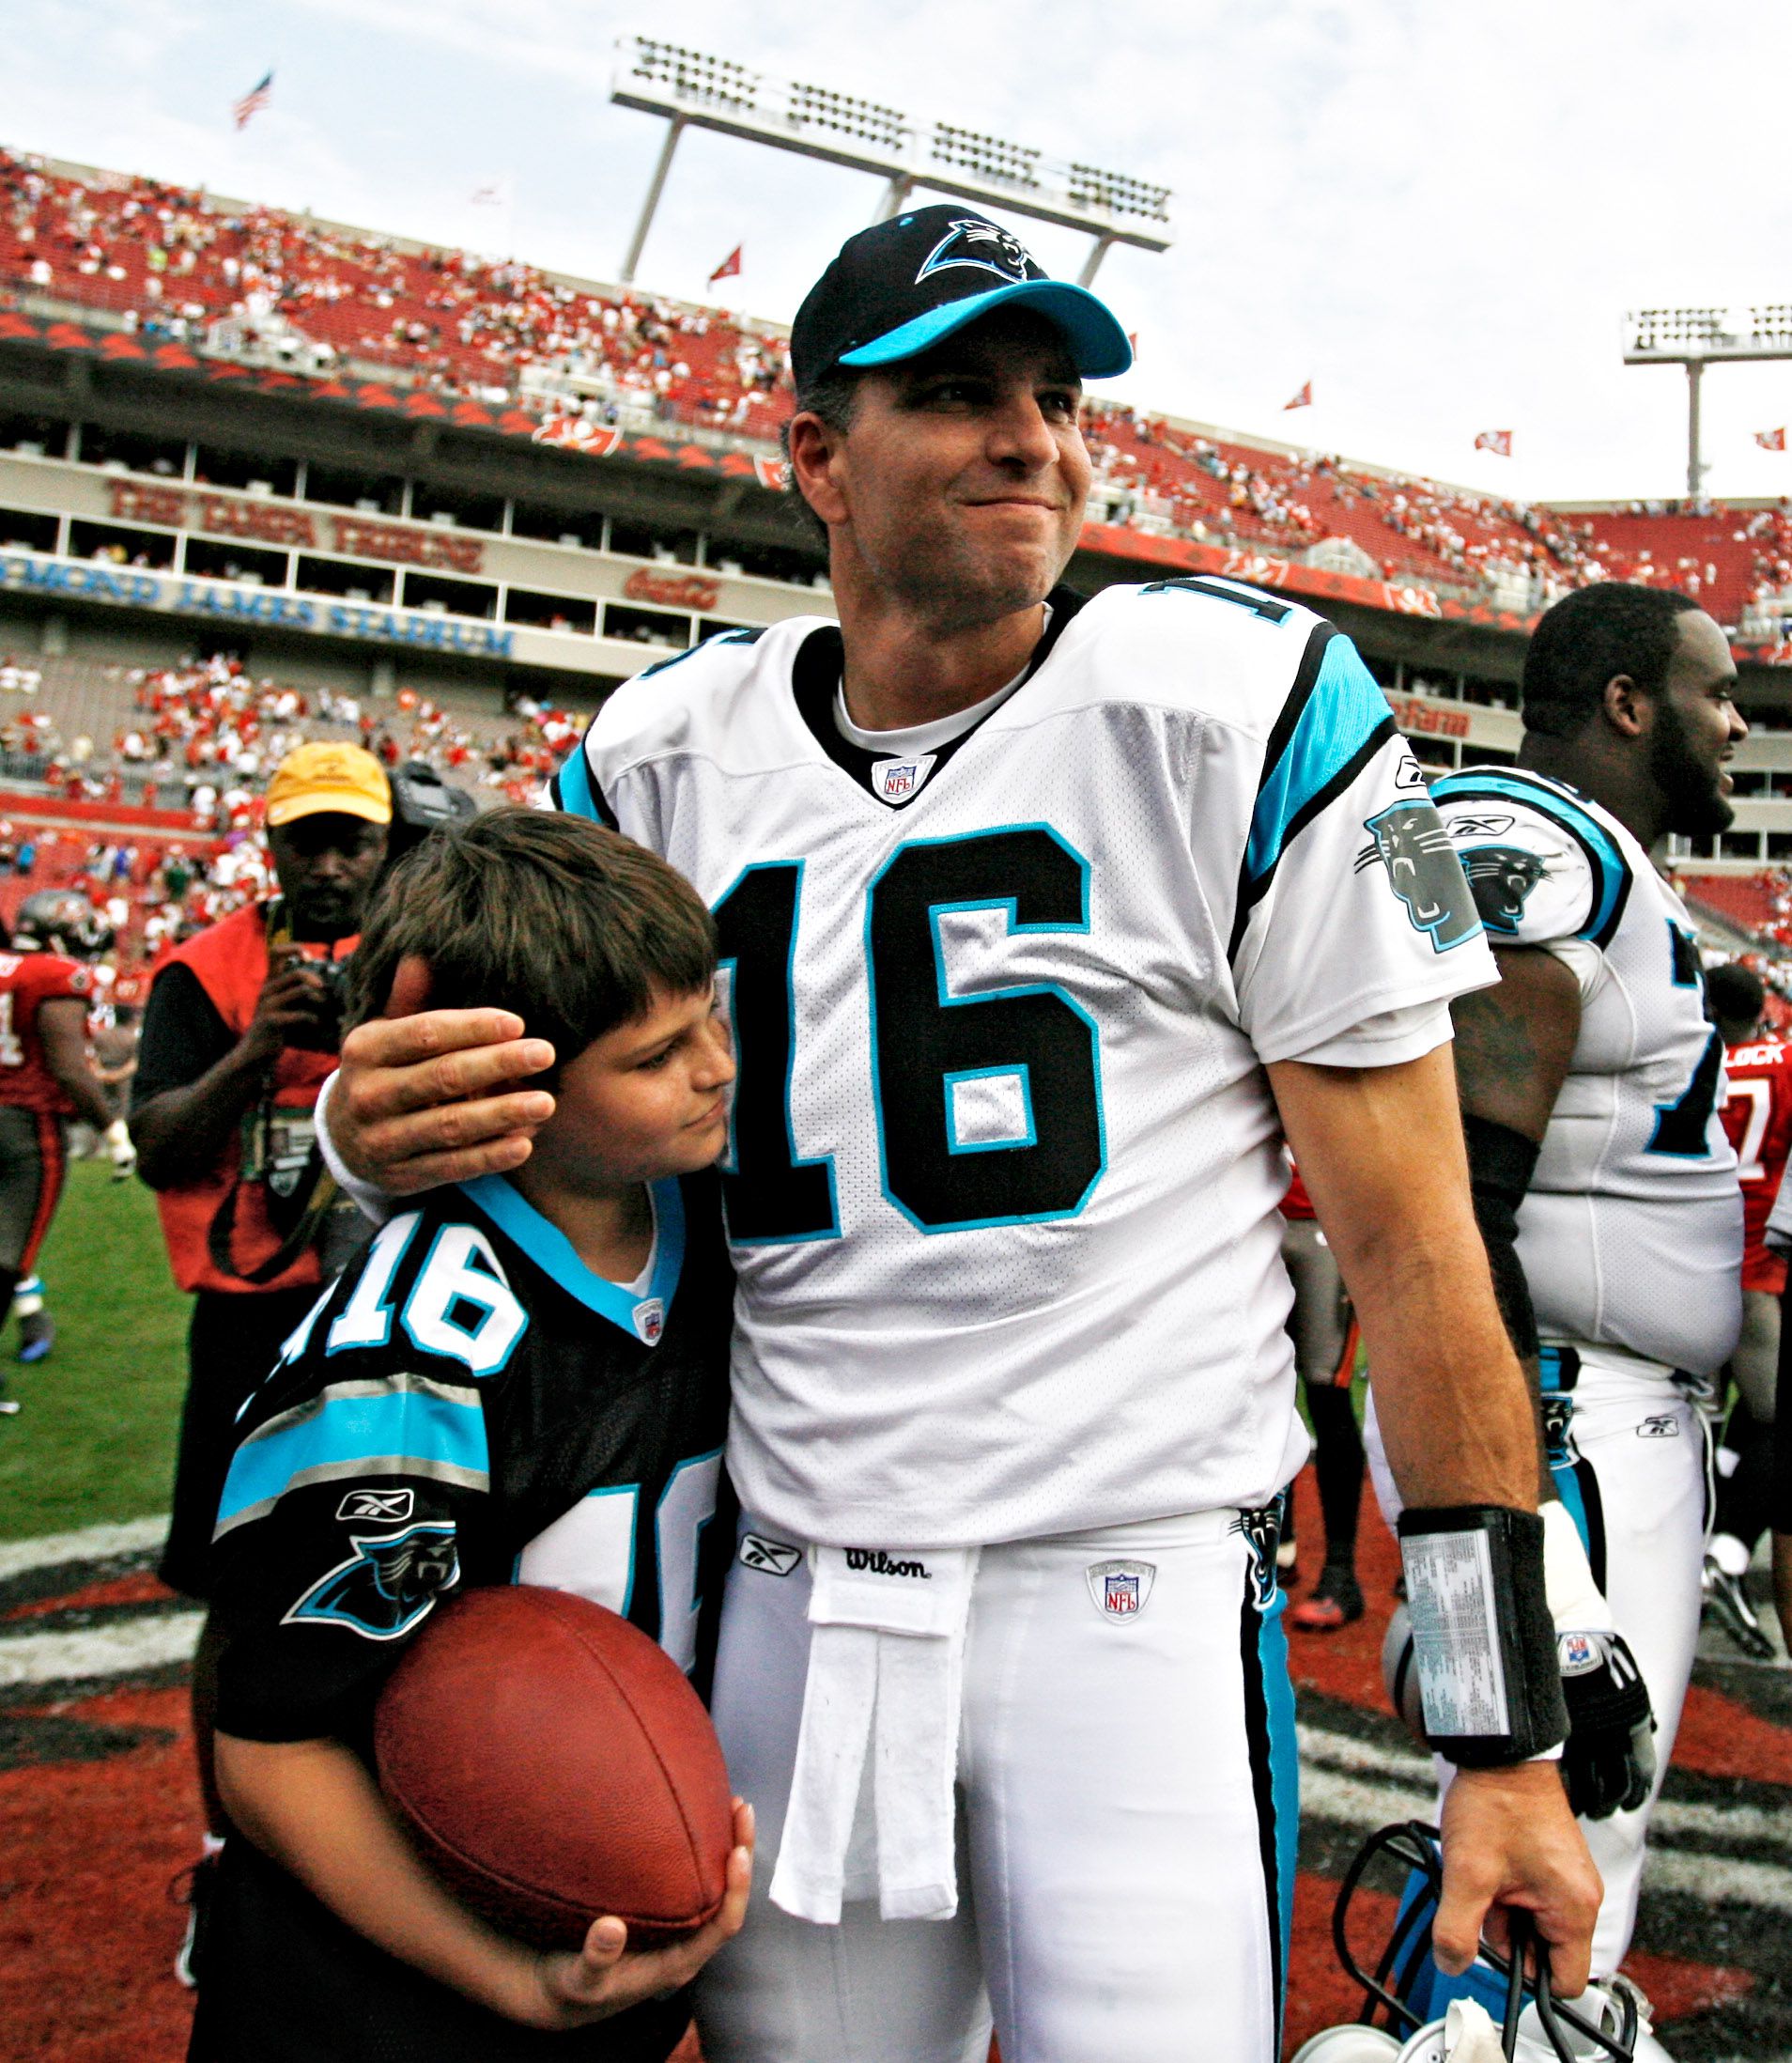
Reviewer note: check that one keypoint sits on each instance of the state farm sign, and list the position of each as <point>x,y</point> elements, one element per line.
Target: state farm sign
<point>671,590</point>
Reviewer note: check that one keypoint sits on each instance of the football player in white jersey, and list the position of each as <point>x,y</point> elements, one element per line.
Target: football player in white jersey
<point>1591,1081</point>
<point>1043,922</point>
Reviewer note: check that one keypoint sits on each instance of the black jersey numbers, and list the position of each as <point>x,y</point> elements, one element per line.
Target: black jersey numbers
<point>1682,1127</point>
<point>770,1195</point>
<point>988,1102</point>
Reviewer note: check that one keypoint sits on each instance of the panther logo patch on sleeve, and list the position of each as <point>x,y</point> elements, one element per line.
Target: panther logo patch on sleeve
<point>387,1584</point>
<point>1409,841</point>
<point>1500,878</point>
<point>982,244</point>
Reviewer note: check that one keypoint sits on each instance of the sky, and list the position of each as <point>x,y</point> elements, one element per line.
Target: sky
<point>1436,213</point>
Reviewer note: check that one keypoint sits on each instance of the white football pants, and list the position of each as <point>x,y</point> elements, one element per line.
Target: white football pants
<point>1636,1482</point>
<point>1126,1819</point>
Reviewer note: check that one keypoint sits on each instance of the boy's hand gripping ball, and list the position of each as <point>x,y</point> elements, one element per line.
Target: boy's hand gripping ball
<point>554,1765</point>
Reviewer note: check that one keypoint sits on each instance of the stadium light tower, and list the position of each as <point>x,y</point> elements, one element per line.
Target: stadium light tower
<point>690,91</point>
<point>1697,337</point>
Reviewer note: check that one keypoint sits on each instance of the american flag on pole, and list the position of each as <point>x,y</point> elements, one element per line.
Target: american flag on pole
<point>254,101</point>
<point>1770,440</point>
<point>1302,400</point>
<point>730,266</point>
<point>1497,441</point>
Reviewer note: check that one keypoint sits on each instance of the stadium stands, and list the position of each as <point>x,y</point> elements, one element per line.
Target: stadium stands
<point>251,280</point>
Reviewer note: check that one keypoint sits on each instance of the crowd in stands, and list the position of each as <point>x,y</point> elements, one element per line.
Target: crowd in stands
<point>207,735</point>
<point>169,260</point>
<point>205,738</point>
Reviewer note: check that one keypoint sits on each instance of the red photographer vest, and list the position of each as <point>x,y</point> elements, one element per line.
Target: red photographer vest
<point>230,963</point>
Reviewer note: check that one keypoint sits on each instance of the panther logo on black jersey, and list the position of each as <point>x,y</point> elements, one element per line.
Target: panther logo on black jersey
<point>1263,1531</point>
<point>972,241</point>
<point>1410,841</point>
<point>1501,877</point>
<point>389,1583</point>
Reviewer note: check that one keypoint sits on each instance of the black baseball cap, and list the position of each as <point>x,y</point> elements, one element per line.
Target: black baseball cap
<point>898,289</point>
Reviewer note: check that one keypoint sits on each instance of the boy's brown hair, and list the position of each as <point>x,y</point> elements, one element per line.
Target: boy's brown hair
<point>572,926</point>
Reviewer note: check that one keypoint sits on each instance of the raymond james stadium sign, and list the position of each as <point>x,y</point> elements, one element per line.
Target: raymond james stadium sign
<point>169,594</point>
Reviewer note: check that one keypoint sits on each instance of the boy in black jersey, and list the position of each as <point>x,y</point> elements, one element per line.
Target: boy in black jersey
<point>522,1379</point>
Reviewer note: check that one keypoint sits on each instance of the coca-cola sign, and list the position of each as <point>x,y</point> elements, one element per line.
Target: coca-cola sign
<point>670,590</point>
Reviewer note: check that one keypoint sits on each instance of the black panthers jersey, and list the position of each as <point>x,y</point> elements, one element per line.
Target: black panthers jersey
<point>468,1404</point>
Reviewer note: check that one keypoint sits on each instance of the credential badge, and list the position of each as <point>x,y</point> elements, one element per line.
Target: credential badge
<point>1120,1589</point>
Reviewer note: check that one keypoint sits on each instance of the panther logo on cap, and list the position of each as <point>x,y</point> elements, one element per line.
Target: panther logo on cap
<point>973,241</point>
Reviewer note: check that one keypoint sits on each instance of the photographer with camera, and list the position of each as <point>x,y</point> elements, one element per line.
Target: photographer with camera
<point>239,1033</point>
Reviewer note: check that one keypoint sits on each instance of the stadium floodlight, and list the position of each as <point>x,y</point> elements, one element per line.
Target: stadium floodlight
<point>1697,337</point>
<point>690,90</point>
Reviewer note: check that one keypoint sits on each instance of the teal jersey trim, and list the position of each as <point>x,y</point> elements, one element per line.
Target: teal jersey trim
<point>398,1428</point>
<point>1343,713</point>
<point>551,1252</point>
<point>572,784</point>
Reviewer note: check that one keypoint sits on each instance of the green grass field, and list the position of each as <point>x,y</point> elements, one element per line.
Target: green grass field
<point>96,1437</point>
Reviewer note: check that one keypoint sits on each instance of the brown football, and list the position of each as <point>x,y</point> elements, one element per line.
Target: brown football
<point>554,1765</point>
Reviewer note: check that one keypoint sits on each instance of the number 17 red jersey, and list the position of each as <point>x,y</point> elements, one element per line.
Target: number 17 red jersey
<point>29,981</point>
<point>1757,1115</point>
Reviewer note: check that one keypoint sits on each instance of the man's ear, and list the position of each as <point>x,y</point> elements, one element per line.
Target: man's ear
<point>1626,708</point>
<point>813,449</point>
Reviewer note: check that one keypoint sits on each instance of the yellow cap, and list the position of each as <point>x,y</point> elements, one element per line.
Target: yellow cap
<point>329,776</point>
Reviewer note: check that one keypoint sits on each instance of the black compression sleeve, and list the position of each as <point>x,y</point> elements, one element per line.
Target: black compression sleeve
<point>1500,1163</point>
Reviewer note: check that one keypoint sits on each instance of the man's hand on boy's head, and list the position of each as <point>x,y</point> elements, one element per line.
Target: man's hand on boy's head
<point>424,1096</point>
<point>606,1976</point>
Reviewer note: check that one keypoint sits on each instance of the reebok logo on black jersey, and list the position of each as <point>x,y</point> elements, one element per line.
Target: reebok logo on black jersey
<point>874,1562</point>
<point>372,1506</point>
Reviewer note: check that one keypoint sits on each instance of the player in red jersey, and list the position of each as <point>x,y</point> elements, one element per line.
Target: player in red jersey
<point>1324,1333</point>
<point>45,1075</point>
<point>1757,1115</point>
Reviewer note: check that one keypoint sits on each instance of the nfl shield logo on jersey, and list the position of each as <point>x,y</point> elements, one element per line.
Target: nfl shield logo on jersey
<point>650,1319</point>
<point>896,780</point>
<point>1120,1589</point>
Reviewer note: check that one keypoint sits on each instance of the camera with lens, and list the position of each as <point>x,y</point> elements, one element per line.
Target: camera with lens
<point>325,1034</point>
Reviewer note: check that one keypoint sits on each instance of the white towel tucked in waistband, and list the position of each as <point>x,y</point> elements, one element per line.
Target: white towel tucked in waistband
<point>886,1672</point>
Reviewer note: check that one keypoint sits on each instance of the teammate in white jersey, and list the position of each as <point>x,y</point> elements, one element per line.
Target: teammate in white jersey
<point>1591,1080</point>
<point>1043,920</point>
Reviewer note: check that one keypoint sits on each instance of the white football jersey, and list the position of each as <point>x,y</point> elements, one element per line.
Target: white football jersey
<point>1631,1233</point>
<point>1004,1165</point>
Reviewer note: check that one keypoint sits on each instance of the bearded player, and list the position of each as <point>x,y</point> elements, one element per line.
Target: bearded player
<point>1043,922</point>
<point>1604,1183</point>
<point>46,1078</point>
<point>1757,1115</point>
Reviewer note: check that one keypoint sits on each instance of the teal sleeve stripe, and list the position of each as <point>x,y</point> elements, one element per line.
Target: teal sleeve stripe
<point>1610,870</point>
<point>391,1427</point>
<point>1343,711</point>
<point>572,784</point>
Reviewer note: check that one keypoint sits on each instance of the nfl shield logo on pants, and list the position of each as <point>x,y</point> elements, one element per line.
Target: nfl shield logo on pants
<point>1121,1588</point>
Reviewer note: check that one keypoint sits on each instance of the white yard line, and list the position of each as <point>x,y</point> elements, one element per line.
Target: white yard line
<point>92,1543</point>
<point>125,1646</point>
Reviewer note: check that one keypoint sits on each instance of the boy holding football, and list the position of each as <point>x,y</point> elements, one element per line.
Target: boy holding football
<point>523,1379</point>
